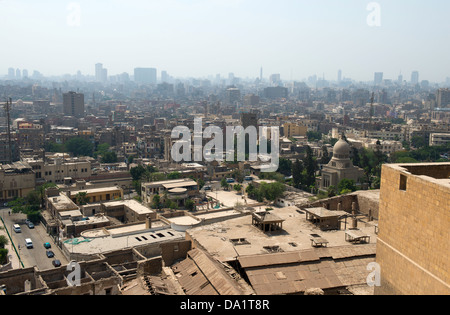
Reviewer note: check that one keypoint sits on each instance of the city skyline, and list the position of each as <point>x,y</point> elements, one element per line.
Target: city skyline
<point>200,38</point>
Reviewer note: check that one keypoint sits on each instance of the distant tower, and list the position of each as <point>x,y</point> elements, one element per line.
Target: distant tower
<point>415,77</point>
<point>261,74</point>
<point>339,75</point>
<point>378,78</point>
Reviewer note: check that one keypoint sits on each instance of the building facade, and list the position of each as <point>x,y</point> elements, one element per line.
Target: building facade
<point>73,104</point>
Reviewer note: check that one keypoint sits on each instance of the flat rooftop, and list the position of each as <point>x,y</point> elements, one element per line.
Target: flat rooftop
<point>92,246</point>
<point>131,204</point>
<point>296,235</point>
<point>95,190</point>
<point>62,203</point>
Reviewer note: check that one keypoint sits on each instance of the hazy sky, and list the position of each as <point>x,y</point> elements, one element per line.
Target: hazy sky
<point>296,38</point>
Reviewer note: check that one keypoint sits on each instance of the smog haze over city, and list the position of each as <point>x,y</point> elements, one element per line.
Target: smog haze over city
<point>197,38</point>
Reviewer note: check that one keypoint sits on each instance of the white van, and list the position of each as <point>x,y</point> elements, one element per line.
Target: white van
<point>16,228</point>
<point>29,243</point>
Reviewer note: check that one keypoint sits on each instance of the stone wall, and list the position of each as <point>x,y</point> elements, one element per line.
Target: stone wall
<point>413,240</point>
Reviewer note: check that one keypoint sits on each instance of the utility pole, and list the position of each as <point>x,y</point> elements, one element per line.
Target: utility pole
<point>371,110</point>
<point>7,110</point>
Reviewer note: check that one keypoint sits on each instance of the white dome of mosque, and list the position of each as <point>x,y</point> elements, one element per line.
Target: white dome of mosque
<point>341,149</point>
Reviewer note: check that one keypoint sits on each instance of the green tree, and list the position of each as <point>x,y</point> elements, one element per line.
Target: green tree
<point>238,188</point>
<point>54,147</point>
<point>285,167</point>
<point>224,184</point>
<point>137,172</point>
<point>314,135</point>
<point>174,175</point>
<point>101,149</point>
<point>3,256</point>
<point>109,157</point>
<point>238,176</point>
<point>418,142</point>
<point>325,159</point>
<point>190,205</point>
<point>346,185</point>
<point>297,173</point>
<point>331,191</point>
<point>3,241</point>
<point>156,202</point>
<point>79,147</point>
<point>82,198</point>
<point>310,168</point>
<point>272,191</point>
<point>355,157</point>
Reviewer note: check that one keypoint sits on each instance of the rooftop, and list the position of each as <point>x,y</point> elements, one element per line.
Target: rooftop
<point>296,235</point>
<point>127,237</point>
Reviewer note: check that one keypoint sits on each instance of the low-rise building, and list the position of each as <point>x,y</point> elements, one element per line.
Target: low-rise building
<point>93,195</point>
<point>178,190</point>
<point>16,180</point>
<point>439,139</point>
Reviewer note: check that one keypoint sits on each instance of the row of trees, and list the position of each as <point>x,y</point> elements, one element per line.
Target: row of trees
<point>3,251</point>
<point>266,191</point>
<point>79,146</point>
<point>32,203</point>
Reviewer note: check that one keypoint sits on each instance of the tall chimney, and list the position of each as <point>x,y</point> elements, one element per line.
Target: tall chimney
<point>148,223</point>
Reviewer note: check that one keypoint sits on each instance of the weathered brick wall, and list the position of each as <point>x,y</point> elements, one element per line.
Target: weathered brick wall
<point>413,242</point>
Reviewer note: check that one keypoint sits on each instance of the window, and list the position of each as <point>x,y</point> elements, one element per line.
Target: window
<point>403,182</point>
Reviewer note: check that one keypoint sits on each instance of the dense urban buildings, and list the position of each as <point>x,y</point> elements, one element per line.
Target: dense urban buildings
<point>361,183</point>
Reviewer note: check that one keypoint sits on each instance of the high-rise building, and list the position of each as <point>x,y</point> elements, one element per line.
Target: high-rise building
<point>164,77</point>
<point>98,72</point>
<point>443,98</point>
<point>101,74</point>
<point>11,74</point>
<point>18,74</point>
<point>24,73</point>
<point>73,104</point>
<point>378,78</point>
<point>145,75</point>
<point>415,77</point>
<point>275,79</point>
<point>339,75</point>
<point>233,95</point>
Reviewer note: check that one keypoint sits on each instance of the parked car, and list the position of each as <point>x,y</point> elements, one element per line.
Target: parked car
<point>30,225</point>
<point>230,180</point>
<point>56,263</point>
<point>47,245</point>
<point>207,187</point>
<point>50,254</point>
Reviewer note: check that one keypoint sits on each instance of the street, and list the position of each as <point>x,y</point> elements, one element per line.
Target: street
<point>35,256</point>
